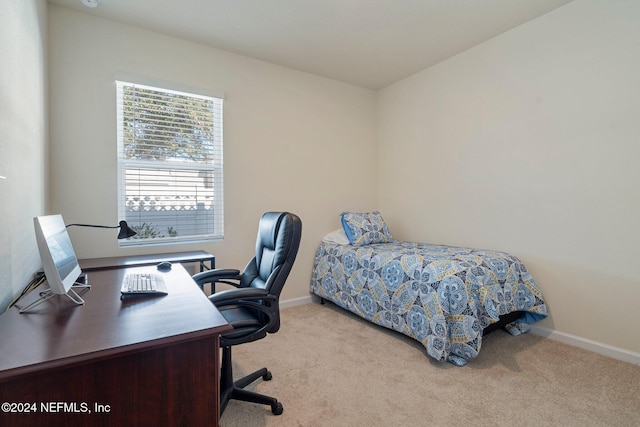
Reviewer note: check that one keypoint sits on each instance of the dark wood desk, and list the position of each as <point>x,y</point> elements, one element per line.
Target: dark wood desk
<point>143,361</point>
<point>93,264</point>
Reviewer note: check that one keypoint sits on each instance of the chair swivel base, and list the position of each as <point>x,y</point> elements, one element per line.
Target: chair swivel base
<point>235,390</point>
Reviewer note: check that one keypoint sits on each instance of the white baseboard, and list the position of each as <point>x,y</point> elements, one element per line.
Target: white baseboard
<point>585,344</point>
<point>296,301</point>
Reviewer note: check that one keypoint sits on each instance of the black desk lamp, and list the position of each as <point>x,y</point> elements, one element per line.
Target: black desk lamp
<point>125,230</point>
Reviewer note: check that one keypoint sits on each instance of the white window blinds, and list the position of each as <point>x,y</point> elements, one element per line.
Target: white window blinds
<point>169,164</point>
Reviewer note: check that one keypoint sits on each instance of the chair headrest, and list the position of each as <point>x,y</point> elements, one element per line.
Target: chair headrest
<point>276,248</point>
<point>268,229</point>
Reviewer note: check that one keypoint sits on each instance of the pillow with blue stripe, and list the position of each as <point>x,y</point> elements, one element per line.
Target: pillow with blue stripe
<point>365,228</point>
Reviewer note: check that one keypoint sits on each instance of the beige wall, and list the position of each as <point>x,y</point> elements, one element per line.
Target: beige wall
<point>292,141</point>
<point>23,139</point>
<point>528,143</point>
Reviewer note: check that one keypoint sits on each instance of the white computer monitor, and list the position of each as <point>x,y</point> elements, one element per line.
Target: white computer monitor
<point>56,252</point>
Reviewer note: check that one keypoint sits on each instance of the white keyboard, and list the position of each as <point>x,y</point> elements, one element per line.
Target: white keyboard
<point>142,283</point>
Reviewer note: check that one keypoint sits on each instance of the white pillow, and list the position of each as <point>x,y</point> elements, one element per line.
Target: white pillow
<point>337,236</point>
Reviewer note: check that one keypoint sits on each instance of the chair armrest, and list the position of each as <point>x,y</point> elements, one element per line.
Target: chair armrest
<point>238,296</point>
<point>217,275</point>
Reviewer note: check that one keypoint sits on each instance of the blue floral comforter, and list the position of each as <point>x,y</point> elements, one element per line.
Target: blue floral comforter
<point>442,296</point>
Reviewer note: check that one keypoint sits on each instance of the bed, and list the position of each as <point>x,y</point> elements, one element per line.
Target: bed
<point>442,296</point>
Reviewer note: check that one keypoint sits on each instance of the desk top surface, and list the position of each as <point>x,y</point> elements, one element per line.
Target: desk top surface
<point>59,333</point>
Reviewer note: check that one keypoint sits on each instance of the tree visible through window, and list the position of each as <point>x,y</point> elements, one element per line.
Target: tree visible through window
<point>169,164</point>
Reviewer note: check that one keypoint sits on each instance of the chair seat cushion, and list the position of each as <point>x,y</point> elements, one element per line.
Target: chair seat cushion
<point>245,322</point>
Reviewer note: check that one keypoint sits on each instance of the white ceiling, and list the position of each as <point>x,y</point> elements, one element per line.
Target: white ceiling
<point>370,43</point>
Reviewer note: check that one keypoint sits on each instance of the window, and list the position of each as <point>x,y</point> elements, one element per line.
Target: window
<point>169,164</point>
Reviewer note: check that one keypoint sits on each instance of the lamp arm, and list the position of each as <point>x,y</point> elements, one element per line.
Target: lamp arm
<point>125,231</point>
<point>91,225</point>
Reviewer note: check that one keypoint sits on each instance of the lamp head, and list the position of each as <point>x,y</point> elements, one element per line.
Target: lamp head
<point>125,231</point>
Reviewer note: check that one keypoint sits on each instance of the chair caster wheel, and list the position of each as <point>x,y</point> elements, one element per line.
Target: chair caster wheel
<point>267,376</point>
<point>277,408</point>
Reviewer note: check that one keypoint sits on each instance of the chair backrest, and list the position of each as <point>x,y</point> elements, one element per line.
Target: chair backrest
<point>277,244</point>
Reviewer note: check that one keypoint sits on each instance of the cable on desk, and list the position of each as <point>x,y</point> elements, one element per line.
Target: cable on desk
<point>38,278</point>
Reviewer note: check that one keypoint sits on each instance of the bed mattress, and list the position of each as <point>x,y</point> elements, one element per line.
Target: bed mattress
<point>441,296</point>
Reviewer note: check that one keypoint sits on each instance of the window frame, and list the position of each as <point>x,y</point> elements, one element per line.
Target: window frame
<point>210,171</point>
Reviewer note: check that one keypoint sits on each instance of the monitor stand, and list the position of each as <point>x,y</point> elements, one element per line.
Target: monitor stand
<point>48,293</point>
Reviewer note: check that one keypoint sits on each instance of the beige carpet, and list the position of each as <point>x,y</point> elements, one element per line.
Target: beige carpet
<point>331,368</point>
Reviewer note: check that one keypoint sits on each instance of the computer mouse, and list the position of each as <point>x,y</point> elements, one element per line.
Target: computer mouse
<point>164,266</point>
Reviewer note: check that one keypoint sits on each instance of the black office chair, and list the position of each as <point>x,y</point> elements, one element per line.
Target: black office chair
<point>252,308</point>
